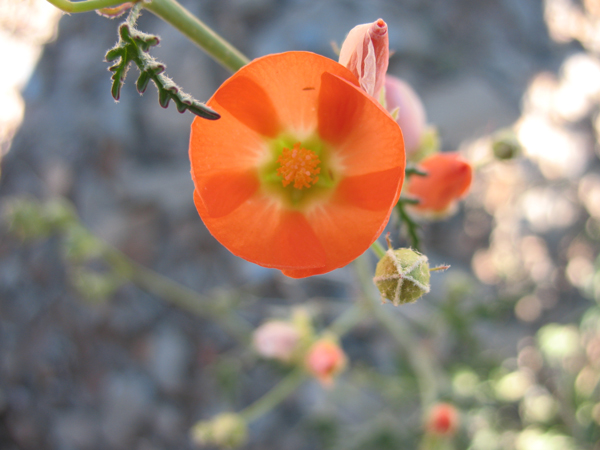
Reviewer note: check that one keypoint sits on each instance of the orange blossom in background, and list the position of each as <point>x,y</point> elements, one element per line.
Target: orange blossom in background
<point>448,180</point>
<point>303,168</point>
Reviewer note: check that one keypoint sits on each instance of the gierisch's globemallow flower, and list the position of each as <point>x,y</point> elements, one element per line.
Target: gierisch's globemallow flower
<point>448,180</point>
<point>324,360</point>
<point>303,168</point>
<point>276,339</point>
<point>442,420</point>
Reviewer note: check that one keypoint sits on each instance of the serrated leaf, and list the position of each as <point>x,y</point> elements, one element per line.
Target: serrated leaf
<point>164,97</point>
<point>201,110</point>
<point>113,54</point>
<point>115,89</point>
<point>124,32</point>
<point>133,46</point>
<point>142,82</point>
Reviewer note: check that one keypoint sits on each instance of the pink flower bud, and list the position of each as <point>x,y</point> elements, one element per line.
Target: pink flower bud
<point>276,340</point>
<point>366,53</point>
<point>448,179</point>
<point>442,420</point>
<point>411,113</point>
<point>324,360</point>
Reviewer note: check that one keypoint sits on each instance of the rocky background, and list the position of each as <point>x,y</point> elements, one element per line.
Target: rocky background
<point>135,372</point>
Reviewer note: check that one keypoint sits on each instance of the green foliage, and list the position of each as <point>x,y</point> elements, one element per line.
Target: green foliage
<point>31,220</point>
<point>133,46</point>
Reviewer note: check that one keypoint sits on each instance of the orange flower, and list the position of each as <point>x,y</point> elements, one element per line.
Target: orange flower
<point>443,420</point>
<point>448,179</point>
<point>325,360</point>
<point>302,170</point>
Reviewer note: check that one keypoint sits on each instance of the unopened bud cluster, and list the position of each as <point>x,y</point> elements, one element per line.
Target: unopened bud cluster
<point>228,430</point>
<point>295,342</point>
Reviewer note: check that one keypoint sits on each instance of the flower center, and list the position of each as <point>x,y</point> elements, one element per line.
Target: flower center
<point>298,165</point>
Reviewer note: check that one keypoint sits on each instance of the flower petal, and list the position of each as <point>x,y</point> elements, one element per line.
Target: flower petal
<point>261,232</point>
<point>364,136</point>
<point>223,193</point>
<point>248,102</point>
<point>349,223</point>
<point>448,179</point>
<point>294,89</point>
<point>372,191</point>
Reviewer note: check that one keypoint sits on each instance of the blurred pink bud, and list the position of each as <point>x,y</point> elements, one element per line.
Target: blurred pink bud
<point>448,179</point>
<point>276,340</point>
<point>411,113</point>
<point>443,420</point>
<point>366,52</point>
<point>324,360</point>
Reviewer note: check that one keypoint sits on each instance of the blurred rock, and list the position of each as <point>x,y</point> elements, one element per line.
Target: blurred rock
<point>465,108</point>
<point>127,404</point>
<point>169,358</point>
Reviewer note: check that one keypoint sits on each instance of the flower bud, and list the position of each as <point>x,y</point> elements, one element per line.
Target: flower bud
<point>506,146</point>
<point>276,339</point>
<point>402,276</point>
<point>366,53</point>
<point>448,179</point>
<point>400,97</point>
<point>324,360</point>
<point>227,430</point>
<point>442,420</point>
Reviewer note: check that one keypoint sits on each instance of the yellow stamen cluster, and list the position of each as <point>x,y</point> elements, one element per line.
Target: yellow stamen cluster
<point>299,165</point>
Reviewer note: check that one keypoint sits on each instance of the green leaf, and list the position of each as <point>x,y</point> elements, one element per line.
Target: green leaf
<point>133,46</point>
<point>142,82</point>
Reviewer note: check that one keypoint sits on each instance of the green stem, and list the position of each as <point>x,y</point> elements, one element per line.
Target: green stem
<point>421,363</point>
<point>411,225</point>
<point>378,249</point>
<point>275,396</point>
<point>84,6</point>
<point>346,321</point>
<point>179,295</point>
<point>176,15</point>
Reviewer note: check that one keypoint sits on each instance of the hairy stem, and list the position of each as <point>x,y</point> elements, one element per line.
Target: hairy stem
<point>176,15</point>
<point>275,396</point>
<point>84,6</point>
<point>421,363</point>
<point>378,249</point>
<point>177,294</point>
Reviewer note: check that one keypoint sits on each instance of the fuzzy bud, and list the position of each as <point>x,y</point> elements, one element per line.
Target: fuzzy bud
<point>406,107</point>
<point>325,360</point>
<point>402,276</point>
<point>276,339</point>
<point>506,146</point>
<point>448,180</point>
<point>365,52</point>
<point>443,420</point>
<point>228,430</point>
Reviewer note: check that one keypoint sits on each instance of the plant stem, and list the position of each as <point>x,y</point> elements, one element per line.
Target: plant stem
<point>176,15</point>
<point>347,320</point>
<point>419,360</point>
<point>412,226</point>
<point>378,249</point>
<point>84,6</point>
<point>275,396</point>
<point>177,294</point>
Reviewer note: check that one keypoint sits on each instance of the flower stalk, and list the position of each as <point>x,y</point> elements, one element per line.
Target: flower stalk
<point>198,32</point>
<point>176,15</point>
